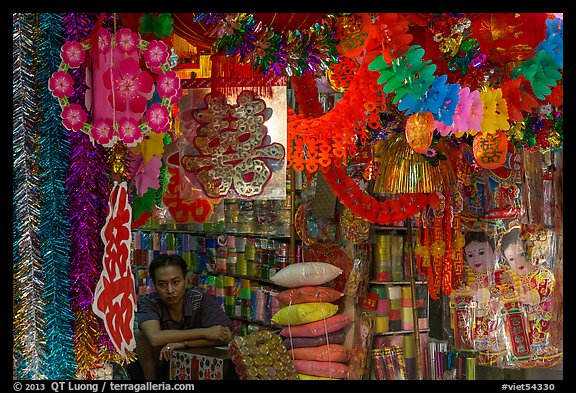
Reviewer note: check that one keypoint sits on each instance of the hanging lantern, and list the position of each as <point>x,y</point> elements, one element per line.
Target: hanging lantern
<point>353,32</point>
<point>490,149</point>
<point>419,131</point>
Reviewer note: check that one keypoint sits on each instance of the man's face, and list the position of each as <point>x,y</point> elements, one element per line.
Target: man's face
<point>170,284</point>
<point>515,256</point>
<point>479,256</point>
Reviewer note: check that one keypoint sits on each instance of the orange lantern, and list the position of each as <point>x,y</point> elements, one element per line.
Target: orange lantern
<point>490,149</point>
<point>353,32</point>
<point>419,131</point>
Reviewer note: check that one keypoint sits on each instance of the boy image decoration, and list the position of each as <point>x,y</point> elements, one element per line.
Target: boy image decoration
<point>525,249</point>
<point>475,311</point>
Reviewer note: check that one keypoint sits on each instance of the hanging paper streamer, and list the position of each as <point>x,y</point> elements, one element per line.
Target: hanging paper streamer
<point>87,187</point>
<point>55,227</point>
<point>28,322</point>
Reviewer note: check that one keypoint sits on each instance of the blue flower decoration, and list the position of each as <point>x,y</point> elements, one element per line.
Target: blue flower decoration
<point>553,45</point>
<point>440,99</point>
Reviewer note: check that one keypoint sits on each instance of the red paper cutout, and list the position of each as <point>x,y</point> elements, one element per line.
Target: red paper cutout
<point>115,294</point>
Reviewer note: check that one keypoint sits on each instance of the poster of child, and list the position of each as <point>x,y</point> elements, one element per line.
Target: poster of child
<point>524,249</point>
<point>476,312</point>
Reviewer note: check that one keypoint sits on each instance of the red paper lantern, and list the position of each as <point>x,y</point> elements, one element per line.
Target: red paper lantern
<point>353,33</point>
<point>419,131</point>
<point>490,149</point>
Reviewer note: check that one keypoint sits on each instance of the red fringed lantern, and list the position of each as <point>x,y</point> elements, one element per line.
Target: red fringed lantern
<point>419,131</point>
<point>490,149</point>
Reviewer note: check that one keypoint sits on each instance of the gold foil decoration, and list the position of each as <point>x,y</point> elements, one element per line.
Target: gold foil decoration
<point>404,171</point>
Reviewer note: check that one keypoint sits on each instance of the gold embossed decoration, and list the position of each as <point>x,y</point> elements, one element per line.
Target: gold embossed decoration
<point>261,356</point>
<point>232,155</point>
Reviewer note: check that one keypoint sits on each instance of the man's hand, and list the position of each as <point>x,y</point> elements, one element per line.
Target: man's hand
<point>217,333</point>
<point>167,350</point>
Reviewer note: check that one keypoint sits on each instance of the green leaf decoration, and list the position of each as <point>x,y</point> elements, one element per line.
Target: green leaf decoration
<point>541,71</point>
<point>161,25</point>
<point>407,73</point>
<point>144,203</point>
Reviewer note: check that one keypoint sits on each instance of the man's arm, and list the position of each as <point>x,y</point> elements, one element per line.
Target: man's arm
<point>198,337</point>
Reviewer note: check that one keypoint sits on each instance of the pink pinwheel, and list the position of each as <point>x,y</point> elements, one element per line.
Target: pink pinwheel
<point>103,132</point>
<point>476,111</point>
<point>73,117</point>
<point>168,84</point>
<point>61,84</point>
<point>132,86</point>
<point>145,175</point>
<point>156,55</point>
<point>73,54</point>
<point>129,131</point>
<point>158,118</point>
<point>460,117</point>
<point>127,40</point>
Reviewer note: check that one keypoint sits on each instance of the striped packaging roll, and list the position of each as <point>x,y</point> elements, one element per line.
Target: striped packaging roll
<point>155,245</point>
<point>164,243</point>
<point>407,318</point>
<point>383,307</point>
<point>382,324</point>
<point>240,243</point>
<point>410,355</point>
<point>231,260</point>
<point>221,265</point>
<point>380,290</point>
<point>406,312</point>
<point>395,296</point>
<point>406,296</point>
<point>241,267</point>
<point>397,257</point>
<point>381,263</point>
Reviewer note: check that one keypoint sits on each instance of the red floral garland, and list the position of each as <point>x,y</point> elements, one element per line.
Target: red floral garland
<point>369,208</point>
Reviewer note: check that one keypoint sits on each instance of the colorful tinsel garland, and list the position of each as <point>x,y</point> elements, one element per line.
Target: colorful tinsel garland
<point>284,54</point>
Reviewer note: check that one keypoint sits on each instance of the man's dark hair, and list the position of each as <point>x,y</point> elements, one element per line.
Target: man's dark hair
<point>167,260</point>
<point>479,237</point>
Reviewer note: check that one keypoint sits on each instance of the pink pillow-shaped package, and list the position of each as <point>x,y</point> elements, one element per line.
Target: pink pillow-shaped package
<point>318,328</point>
<point>308,294</point>
<point>337,337</point>
<point>323,353</point>
<point>321,369</point>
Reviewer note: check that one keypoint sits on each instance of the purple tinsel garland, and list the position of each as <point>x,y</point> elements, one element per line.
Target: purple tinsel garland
<point>88,186</point>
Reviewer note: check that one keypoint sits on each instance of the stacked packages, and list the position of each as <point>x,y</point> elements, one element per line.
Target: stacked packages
<point>313,331</point>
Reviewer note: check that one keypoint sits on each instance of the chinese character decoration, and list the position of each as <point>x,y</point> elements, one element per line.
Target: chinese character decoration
<point>490,149</point>
<point>115,295</point>
<point>231,151</point>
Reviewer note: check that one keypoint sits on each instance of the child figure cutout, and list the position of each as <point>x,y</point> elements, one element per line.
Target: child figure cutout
<point>476,315</point>
<point>524,250</point>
